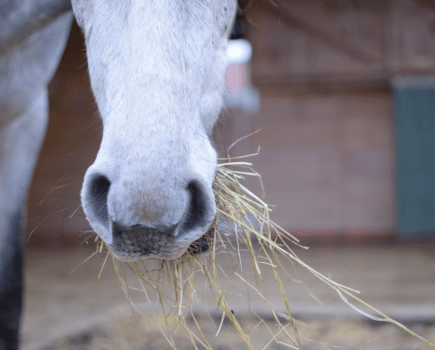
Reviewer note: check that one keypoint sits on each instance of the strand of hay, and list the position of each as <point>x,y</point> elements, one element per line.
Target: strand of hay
<point>235,206</point>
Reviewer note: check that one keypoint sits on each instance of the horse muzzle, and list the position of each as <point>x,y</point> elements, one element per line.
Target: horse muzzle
<point>150,224</point>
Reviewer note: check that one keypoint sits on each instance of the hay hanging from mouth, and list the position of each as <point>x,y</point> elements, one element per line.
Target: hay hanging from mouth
<point>247,228</point>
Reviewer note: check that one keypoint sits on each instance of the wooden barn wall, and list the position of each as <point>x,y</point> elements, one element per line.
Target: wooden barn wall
<point>341,43</point>
<point>73,137</point>
<point>326,161</point>
<point>324,70</point>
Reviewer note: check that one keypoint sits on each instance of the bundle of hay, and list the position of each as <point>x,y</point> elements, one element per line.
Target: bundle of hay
<point>247,228</point>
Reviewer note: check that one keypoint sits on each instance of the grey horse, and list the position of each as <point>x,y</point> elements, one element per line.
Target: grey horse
<point>157,72</point>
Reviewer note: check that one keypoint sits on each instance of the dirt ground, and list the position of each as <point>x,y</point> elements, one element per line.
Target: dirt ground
<point>65,311</point>
<point>137,333</point>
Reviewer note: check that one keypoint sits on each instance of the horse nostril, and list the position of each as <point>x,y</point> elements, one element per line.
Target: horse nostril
<point>196,214</point>
<point>98,191</point>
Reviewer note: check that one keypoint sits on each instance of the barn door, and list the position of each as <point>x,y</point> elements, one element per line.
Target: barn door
<point>415,135</point>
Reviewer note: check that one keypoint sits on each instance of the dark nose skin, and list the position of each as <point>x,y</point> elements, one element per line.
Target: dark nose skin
<point>140,239</point>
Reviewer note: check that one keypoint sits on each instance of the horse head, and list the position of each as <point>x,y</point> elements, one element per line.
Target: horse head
<point>157,72</point>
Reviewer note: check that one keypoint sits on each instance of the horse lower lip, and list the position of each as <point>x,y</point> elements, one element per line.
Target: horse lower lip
<point>199,246</point>
<point>202,244</point>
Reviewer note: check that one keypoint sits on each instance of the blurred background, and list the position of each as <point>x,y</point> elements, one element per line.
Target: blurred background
<point>347,117</point>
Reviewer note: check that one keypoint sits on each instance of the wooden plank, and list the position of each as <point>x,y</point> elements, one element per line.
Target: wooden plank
<point>345,42</point>
<point>299,24</point>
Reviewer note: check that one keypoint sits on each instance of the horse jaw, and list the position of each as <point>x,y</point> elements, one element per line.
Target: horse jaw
<point>157,73</point>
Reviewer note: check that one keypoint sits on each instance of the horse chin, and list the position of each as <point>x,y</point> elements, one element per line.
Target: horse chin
<point>133,257</point>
